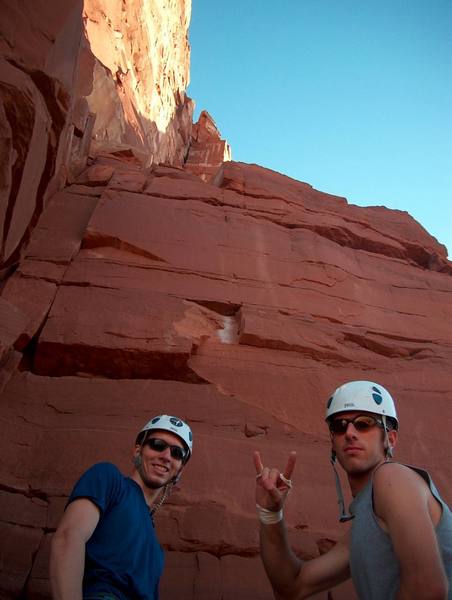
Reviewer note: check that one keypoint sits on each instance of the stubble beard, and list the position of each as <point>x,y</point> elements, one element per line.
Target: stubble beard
<point>152,485</point>
<point>361,467</point>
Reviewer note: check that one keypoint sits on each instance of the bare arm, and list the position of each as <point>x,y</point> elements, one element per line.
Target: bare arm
<point>67,555</point>
<point>291,578</point>
<point>408,511</point>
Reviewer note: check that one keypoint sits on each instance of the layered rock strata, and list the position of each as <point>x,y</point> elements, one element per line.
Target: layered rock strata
<point>79,77</point>
<point>45,74</point>
<point>207,151</point>
<point>238,305</point>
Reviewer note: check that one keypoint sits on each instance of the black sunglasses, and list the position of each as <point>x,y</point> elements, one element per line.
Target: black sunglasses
<point>159,445</point>
<point>361,423</point>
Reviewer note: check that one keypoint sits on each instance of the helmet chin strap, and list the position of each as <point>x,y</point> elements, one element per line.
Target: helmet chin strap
<point>343,515</point>
<point>389,450</point>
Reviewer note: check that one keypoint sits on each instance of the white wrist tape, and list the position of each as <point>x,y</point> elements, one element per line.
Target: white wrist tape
<point>269,517</point>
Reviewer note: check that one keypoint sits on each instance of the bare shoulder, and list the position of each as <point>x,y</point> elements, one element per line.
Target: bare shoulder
<point>408,511</point>
<point>392,473</point>
<point>396,485</point>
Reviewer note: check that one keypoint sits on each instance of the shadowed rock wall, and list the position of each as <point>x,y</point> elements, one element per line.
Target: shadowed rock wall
<point>77,78</point>
<point>45,126</point>
<point>236,298</point>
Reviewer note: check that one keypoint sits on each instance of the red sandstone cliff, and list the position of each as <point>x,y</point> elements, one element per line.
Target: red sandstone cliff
<point>79,78</point>
<point>140,76</point>
<point>234,297</point>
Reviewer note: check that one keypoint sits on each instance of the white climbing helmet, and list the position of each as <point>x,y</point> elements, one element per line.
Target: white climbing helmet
<point>173,425</point>
<point>366,396</point>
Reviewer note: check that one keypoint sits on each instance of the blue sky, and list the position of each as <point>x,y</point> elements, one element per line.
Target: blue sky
<point>351,96</point>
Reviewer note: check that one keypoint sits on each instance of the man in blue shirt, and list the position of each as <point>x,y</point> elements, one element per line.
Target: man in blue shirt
<point>105,546</point>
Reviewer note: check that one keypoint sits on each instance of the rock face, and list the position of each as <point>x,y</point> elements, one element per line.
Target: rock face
<point>67,90</point>
<point>224,293</point>
<point>142,69</point>
<point>45,122</point>
<point>238,305</point>
<point>207,150</point>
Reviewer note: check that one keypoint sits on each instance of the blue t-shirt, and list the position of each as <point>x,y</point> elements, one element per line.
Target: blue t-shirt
<point>123,555</point>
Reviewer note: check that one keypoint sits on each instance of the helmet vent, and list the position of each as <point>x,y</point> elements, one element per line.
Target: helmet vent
<point>378,398</point>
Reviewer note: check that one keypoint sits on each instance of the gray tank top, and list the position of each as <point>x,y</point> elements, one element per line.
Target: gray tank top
<point>373,564</point>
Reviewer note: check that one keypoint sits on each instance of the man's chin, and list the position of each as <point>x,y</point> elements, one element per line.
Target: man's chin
<point>153,483</point>
<point>352,464</point>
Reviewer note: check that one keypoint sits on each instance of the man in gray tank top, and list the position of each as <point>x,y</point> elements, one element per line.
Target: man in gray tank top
<point>399,546</point>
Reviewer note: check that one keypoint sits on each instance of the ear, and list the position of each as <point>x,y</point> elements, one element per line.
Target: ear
<point>392,437</point>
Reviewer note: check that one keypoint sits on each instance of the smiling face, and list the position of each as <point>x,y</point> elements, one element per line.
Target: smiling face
<point>359,452</point>
<point>155,469</point>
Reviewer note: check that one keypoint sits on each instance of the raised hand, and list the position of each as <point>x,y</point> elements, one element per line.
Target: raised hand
<point>272,486</point>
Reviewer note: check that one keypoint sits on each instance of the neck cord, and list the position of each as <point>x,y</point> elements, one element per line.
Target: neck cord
<point>343,516</point>
<point>166,492</point>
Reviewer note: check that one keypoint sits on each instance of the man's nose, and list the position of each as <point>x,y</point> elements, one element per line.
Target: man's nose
<point>166,453</point>
<point>350,431</point>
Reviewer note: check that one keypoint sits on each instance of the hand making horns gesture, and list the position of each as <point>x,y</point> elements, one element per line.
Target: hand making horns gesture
<point>272,486</point>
